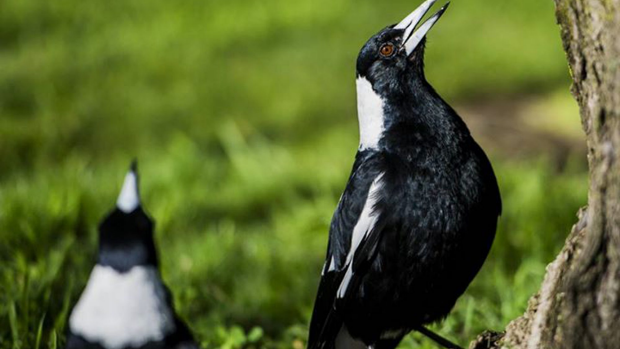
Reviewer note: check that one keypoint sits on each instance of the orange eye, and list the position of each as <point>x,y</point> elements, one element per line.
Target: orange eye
<point>387,50</point>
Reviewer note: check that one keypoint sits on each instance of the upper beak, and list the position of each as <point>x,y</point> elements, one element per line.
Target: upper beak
<point>411,39</point>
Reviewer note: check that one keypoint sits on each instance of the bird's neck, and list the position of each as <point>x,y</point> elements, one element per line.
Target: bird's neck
<point>123,255</point>
<point>416,110</point>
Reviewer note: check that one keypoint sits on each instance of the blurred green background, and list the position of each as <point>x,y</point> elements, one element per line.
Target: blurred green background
<point>242,115</point>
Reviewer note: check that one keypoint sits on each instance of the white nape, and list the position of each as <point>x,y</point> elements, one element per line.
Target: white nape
<point>363,227</point>
<point>370,114</point>
<point>119,310</point>
<point>129,199</point>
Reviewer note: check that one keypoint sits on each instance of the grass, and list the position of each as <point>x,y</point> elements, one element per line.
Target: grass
<point>242,116</point>
<point>243,252</point>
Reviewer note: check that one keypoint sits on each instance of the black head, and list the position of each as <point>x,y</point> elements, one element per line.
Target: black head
<point>394,57</point>
<point>126,234</point>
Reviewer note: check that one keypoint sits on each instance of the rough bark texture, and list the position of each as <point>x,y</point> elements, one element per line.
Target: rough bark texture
<point>578,304</point>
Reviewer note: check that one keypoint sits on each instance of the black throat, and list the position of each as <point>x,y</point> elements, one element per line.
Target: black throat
<point>126,240</point>
<point>416,115</point>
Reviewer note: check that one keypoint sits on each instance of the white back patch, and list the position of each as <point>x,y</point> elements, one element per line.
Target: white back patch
<point>129,199</point>
<point>370,114</point>
<point>363,227</point>
<point>118,310</point>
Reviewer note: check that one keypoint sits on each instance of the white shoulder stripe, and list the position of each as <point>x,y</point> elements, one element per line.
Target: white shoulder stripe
<point>363,227</point>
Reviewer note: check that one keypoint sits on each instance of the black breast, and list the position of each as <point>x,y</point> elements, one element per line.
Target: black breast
<point>441,213</point>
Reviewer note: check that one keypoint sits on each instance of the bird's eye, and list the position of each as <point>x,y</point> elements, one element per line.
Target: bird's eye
<point>387,50</point>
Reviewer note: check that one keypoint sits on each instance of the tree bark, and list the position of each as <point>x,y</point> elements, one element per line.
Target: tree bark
<point>578,304</point>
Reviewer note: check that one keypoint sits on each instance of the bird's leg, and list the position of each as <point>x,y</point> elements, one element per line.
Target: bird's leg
<point>437,338</point>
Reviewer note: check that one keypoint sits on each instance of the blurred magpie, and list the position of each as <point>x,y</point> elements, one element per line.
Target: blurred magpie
<point>418,215</point>
<point>125,303</point>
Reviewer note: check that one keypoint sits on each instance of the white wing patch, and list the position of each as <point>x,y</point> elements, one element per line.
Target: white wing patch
<point>363,227</point>
<point>129,200</point>
<point>119,310</point>
<point>332,266</point>
<point>370,114</point>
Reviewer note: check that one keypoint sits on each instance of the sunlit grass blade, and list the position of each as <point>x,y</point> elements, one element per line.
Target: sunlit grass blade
<point>14,325</point>
<point>39,333</point>
<point>53,340</point>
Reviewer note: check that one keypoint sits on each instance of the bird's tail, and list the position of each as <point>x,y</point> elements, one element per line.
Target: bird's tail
<point>326,322</point>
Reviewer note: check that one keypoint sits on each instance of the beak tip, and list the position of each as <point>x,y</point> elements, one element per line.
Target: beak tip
<point>416,15</point>
<point>134,166</point>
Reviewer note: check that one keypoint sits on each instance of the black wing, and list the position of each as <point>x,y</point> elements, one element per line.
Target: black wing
<point>326,320</point>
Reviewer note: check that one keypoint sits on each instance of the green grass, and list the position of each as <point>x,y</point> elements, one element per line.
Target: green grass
<point>242,114</point>
<point>245,251</point>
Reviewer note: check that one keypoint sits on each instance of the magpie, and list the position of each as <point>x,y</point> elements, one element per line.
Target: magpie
<point>125,303</point>
<point>420,209</point>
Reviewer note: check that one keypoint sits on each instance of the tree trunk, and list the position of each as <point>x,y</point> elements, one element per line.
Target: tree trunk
<point>578,304</point>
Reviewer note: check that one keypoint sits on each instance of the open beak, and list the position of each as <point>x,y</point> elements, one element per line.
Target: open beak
<point>411,39</point>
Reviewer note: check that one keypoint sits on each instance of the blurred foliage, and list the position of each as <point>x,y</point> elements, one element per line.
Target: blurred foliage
<point>101,80</point>
<point>242,114</point>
